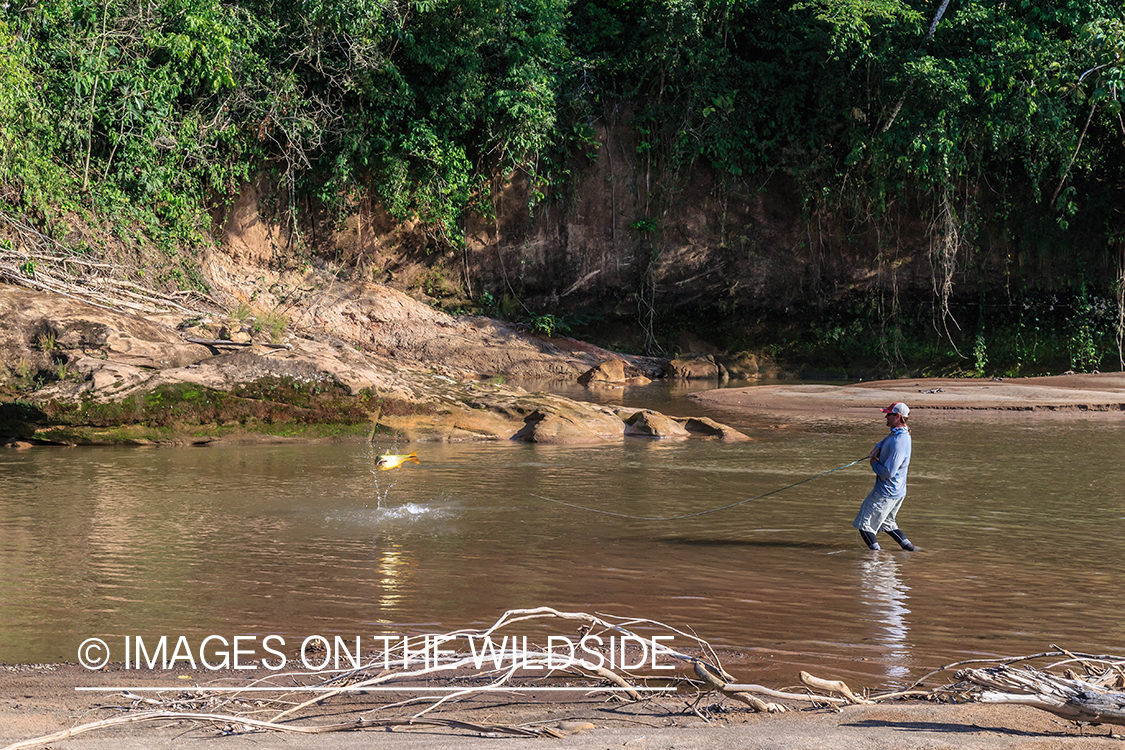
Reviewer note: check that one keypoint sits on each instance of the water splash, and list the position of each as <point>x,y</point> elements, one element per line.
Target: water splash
<point>383,483</point>
<point>399,516</point>
<point>408,511</point>
<point>381,492</point>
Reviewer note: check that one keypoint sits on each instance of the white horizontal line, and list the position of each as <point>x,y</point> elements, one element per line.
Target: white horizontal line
<point>372,689</point>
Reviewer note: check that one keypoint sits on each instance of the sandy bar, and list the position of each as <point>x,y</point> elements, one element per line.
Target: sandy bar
<point>932,399</point>
<point>38,700</point>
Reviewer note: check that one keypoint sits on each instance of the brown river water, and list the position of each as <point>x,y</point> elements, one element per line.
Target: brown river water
<point>1020,529</point>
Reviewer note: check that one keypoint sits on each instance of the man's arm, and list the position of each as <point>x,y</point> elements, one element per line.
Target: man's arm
<point>890,458</point>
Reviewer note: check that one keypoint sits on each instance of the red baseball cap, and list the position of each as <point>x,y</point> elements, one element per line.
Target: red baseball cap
<point>898,408</point>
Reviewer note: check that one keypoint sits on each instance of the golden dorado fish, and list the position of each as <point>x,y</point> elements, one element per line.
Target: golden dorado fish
<point>389,461</point>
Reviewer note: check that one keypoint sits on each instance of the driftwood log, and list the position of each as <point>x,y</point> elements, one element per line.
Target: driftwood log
<point>1068,697</point>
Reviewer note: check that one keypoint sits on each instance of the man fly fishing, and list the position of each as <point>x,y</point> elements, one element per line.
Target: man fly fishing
<point>890,460</point>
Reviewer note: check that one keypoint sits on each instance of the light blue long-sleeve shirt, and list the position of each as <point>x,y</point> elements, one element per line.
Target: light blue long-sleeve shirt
<point>891,465</point>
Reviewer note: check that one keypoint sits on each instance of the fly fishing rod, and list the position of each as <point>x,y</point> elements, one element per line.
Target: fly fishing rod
<point>702,512</point>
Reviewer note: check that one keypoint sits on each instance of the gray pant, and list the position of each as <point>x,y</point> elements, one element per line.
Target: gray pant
<point>878,513</point>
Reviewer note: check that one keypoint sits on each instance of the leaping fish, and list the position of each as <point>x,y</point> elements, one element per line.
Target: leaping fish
<point>389,461</point>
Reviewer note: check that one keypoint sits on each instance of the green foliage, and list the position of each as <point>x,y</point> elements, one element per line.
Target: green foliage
<point>167,109</point>
<point>1003,114</point>
<point>547,325</point>
<point>27,173</point>
<point>856,100</point>
<point>1083,327</point>
<point>140,100</point>
<point>46,341</point>
<point>272,322</point>
<point>422,102</point>
<point>980,355</point>
<point>242,312</point>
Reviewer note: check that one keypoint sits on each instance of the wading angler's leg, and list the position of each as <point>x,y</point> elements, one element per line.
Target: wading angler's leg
<point>869,539</point>
<point>871,517</point>
<point>890,525</point>
<point>899,537</point>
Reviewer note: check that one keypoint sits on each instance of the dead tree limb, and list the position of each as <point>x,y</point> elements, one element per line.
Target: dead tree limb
<point>1077,700</point>
<point>708,675</point>
<point>831,686</point>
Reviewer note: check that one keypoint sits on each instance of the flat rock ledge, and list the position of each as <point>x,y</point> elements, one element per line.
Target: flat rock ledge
<point>491,412</point>
<point>88,375</point>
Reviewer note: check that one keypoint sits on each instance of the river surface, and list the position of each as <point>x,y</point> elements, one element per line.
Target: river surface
<point>1019,528</point>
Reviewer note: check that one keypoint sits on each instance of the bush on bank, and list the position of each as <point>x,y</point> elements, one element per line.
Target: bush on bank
<point>144,119</point>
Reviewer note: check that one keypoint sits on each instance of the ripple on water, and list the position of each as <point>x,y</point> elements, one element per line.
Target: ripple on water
<point>407,512</point>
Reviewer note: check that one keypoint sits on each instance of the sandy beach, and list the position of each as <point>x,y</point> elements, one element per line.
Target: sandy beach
<point>40,700</point>
<point>1100,396</point>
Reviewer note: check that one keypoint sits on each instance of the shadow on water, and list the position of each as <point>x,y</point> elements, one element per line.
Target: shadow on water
<point>750,543</point>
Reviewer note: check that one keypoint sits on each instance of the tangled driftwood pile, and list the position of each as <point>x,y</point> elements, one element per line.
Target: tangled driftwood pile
<point>414,677</point>
<point>43,263</point>
<point>1095,696</point>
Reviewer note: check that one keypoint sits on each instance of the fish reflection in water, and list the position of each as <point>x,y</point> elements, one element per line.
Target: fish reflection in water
<point>884,597</point>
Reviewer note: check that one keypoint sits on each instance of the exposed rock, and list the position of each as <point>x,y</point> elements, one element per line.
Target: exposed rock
<point>450,425</point>
<point>706,427</point>
<point>610,371</point>
<point>117,362</point>
<point>654,425</point>
<point>45,330</point>
<point>697,368</point>
<point>104,379</point>
<point>388,323</point>
<point>613,373</point>
<point>744,366</point>
<point>585,423</point>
